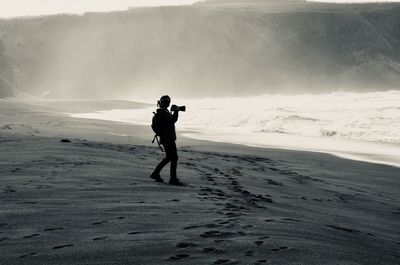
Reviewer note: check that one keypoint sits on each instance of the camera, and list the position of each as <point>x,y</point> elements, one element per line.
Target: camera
<point>176,108</point>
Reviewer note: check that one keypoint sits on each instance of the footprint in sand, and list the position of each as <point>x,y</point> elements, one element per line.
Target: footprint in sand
<point>4,239</point>
<point>225,261</point>
<point>179,256</point>
<point>269,220</point>
<point>33,235</point>
<point>190,227</point>
<point>28,255</point>
<point>342,228</point>
<point>120,217</point>
<point>27,203</point>
<point>249,253</point>
<point>9,189</point>
<point>279,248</point>
<point>208,250</point>
<point>259,243</point>
<point>292,220</point>
<point>245,192</point>
<point>99,223</point>
<point>63,246</point>
<point>185,245</point>
<point>215,233</point>
<point>273,182</point>
<point>99,238</point>
<point>173,200</point>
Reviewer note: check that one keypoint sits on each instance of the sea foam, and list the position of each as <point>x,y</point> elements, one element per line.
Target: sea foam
<point>366,124</point>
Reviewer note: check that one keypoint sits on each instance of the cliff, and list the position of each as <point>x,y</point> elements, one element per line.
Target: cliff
<point>210,49</point>
<point>6,73</point>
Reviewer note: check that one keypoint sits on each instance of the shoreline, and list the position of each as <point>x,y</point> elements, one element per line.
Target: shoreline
<point>383,152</point>
<point>362,157</point>
<point>91,200</point>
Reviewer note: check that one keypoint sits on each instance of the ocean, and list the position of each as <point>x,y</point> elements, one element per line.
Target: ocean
<point>361,126</point>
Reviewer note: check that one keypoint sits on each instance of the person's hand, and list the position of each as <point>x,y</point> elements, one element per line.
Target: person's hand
<point>174,108</point>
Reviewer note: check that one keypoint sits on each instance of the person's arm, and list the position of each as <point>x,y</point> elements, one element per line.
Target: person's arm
<point>167,118</point>
<point>175,116</point>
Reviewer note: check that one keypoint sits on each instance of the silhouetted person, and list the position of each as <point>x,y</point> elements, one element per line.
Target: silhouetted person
<point>166,126</point>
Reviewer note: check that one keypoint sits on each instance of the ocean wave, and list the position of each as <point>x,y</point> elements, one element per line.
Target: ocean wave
<point>371,116</point>
<point>352,125</point>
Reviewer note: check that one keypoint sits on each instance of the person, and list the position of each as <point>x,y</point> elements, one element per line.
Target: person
<point>166,123</point>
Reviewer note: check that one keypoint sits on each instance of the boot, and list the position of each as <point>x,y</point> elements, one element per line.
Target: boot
<point>156,177</point>
<point>175,181</point>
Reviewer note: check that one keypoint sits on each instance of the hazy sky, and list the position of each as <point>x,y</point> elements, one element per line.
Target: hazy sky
<point>12,8</point>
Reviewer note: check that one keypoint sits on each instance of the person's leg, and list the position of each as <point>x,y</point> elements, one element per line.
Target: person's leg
<point>161,165</point>
<point>156,173</point>
<point>173,155</point>
<point>174,162</point>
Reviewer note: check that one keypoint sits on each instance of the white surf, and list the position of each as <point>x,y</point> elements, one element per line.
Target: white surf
<point>362,126</point>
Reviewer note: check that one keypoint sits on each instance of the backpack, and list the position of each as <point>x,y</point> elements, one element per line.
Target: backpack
<point>154,125</point>
<point>156,130</point>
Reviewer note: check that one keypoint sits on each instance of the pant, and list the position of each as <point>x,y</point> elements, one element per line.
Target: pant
<point>171,156</point>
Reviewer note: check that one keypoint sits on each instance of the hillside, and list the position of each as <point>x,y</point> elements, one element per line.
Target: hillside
<point>245,1</point>
<point>6,73</point>
<point>209,49</point>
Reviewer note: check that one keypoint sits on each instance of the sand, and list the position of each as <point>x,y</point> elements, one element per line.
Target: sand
<point>89,200</point>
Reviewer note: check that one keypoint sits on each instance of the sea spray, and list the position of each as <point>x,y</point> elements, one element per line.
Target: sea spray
<point>371,116</point>
<point>341,122</point>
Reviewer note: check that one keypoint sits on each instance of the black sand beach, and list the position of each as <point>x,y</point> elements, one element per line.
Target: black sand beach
<point>89,199</point>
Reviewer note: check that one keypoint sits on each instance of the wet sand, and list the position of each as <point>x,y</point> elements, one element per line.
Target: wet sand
<point>89,199</point>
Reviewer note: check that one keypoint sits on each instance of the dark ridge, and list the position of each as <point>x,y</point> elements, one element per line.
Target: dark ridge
<point>227,49</point>
<point>6,72</point>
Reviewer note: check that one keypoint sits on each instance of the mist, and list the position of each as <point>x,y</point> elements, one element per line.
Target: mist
<point>205,50</point>
<point>279,141</point>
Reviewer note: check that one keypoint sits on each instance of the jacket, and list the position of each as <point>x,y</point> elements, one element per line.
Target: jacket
<point>166,124</point>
